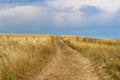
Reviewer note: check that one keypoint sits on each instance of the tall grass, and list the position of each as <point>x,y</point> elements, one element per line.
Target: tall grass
<point>104,54</point>
<point>21,57</point>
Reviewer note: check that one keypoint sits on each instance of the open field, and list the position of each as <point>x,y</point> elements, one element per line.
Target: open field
<point>104,54</point>
<point>46,57</point>
<point>22,56</point>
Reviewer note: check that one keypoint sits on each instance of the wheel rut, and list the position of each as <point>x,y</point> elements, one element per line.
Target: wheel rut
<point>67,64</point>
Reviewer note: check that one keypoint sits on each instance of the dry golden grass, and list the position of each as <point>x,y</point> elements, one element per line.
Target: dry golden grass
<point>22,56</point>
<point>104,54</point>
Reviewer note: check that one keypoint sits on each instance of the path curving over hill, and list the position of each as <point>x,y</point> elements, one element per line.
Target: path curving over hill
<point>67,64</point>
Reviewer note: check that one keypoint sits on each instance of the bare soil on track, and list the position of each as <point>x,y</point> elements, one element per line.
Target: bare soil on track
<point>67,64</point>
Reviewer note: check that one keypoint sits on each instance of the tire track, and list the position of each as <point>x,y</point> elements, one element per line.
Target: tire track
<point>67,64</point>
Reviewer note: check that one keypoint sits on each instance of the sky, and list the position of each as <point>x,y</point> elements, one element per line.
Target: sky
<point>89,18</point>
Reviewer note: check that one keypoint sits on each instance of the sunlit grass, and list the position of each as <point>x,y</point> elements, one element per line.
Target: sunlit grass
<point>23,56</point>
<point>104,54</point>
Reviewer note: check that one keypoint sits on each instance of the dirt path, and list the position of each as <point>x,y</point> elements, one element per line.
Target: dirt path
<point>67,64</point>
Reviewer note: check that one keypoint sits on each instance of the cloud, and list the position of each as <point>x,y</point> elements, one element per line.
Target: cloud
<point>55,12</point>
<point>54,16</point>
<point>72,5</point>
<point>20,1</point>
<point>77,4</point>
<point>90,10</point>
<point>21,17</point>
<point>24,11</point>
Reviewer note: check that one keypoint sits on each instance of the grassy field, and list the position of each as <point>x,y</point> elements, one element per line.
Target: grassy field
<point>22,56</point>
<point>104,54</point>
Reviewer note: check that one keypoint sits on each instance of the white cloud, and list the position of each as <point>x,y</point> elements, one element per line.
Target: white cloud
<point>57,10</point>
<point>108,8</point>
<point>28,11</point>
<point>20,16</point>
<point>106,5</point>
<point>59,18</point>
